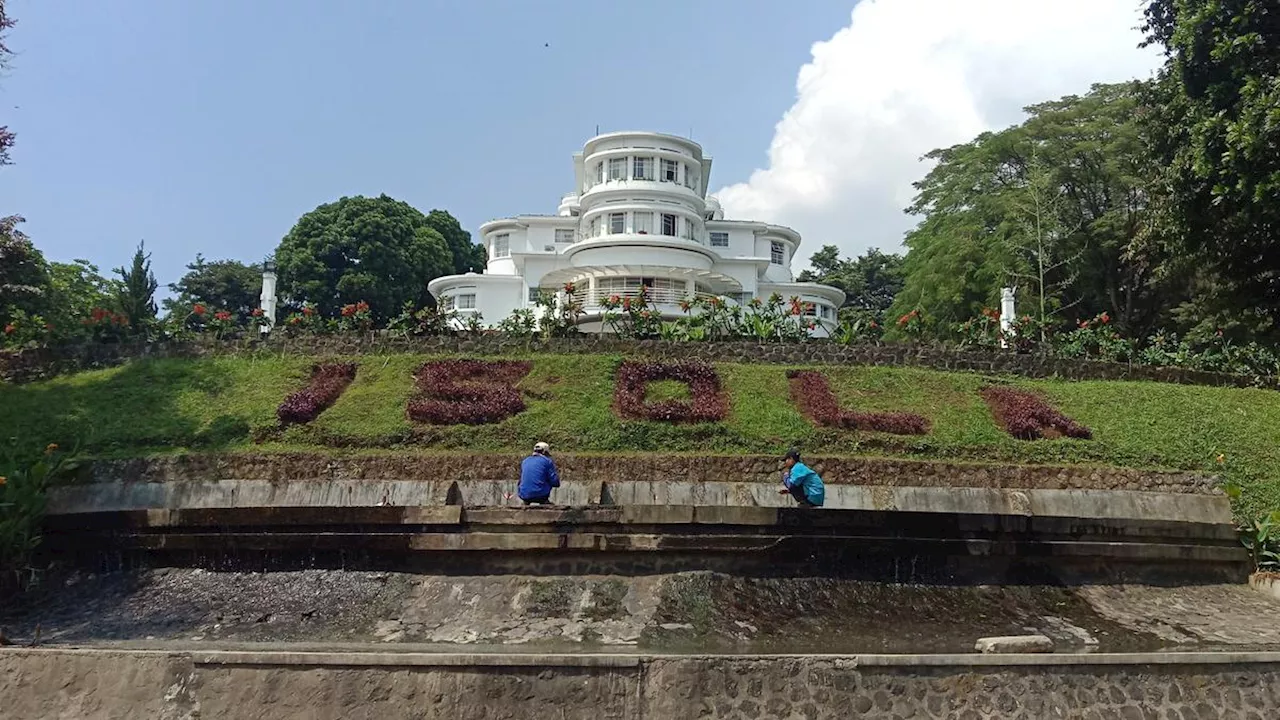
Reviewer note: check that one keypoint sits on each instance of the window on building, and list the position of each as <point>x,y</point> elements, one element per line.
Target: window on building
<point>446,302</point>
<point>642,168</point>
<point>777,253</point>
<point>668,224</point>
<point>643,222</point>
<point>534,293</point>
<point>502,245</point>
<point>467,301</point>
<point>600,172</point>
<point>548,248</point>
<point>719,239</point>
<point>617,223</point>
<point>594,228</point>
<point>688,229</point>
<point>744,298</point>
<point>564,235</point>
<point>618,169</point>
<point>670,171</point>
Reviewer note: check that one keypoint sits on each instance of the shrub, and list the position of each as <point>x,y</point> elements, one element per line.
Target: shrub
<point>812,394</point>
<point>23,482</point>
<point>468,392</point>
<point>325,387</point>
<point>1027,416</point>
<point>707,402</point>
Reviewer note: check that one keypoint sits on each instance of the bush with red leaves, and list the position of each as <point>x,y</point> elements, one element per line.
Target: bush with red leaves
<point>325,387</point>
<point>708,402</point>
<point>1028,416</point>
<point>468,392</point>
<point>812,394</point>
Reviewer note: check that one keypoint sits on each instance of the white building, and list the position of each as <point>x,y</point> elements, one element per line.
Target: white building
<point>640,216</point>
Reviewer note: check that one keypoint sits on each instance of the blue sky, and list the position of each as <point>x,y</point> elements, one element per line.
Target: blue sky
<point>202,126</point>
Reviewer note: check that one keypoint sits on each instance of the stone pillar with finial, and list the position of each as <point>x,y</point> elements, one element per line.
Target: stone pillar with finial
<point>1007,313</point>
<point>268,297</point>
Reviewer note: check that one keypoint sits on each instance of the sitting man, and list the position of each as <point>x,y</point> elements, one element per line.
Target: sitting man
<point>538,476</point>
<point>801,482</point>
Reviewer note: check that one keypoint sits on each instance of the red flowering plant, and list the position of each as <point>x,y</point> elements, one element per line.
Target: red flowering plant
<point>982,331</point>
<point>468,392</point>
<point>913,325</point>
<point>258,317</point>
<point>1028,416</point>
<point>327,383</point>
<point>221,323</point>
<point>106,326</point>
<point>306,320</point>
<point>708,401</point>
<point>1095,338</point>
<point>632,316</point>
<point>857,326</point>
<point>812,394</point>
<point>355,317</point>
<point>23,329</point>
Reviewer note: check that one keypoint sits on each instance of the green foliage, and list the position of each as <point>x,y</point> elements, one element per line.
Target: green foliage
<point>467,256</point>
<point>378,250</point>
<point>23,275</point>
<point>1053,206</point>
<point>23,485</point>
<point>219,285</point>
<point>136,293</point>
<point>870,281</point>
<point>1214,127</point>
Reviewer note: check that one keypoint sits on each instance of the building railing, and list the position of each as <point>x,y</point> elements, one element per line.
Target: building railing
<point>655,296</point>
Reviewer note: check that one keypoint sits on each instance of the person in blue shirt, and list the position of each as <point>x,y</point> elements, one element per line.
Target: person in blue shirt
<point>538,476</point>
<point>801,482</point>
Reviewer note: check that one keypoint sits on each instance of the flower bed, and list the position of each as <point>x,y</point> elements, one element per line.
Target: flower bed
<point>708,401</point>
<point>325,387</point>
<point>1027,416</point>
<point>468,392</point>
<point>812,394</point>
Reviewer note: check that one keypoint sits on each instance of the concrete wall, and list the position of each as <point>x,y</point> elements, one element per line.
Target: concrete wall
<point>90,684</point>
<point>24,365</point>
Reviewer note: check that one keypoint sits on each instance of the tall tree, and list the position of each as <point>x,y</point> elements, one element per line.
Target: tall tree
<point>467,256</point>
<point>219,285</point>
<point>869,281</point>
<point>1042,256</point>
<point>974,208</point>
<point>23,275</point>
<point>6,137</point>
<point>1215,130</point>
<point>379,250</point>
<point>137,291</point>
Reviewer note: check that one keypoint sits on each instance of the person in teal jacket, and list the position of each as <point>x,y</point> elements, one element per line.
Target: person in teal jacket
<point>801,482</point>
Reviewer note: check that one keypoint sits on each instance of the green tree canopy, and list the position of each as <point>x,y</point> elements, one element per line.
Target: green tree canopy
<point>136,293</point>
<point>1053,206</point>
<point>467,256</point>
<point>1215,131</point>
<point>379,250</point>
<point>75,289</point>
<point>869,281</point>
<point>219,285</point>
<point>24,277</point>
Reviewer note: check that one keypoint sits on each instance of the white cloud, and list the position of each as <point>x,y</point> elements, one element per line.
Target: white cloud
<point>907,76</point>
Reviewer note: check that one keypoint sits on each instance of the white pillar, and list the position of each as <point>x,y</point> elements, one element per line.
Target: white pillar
<point>268,298</point>
<point>1007,314</point>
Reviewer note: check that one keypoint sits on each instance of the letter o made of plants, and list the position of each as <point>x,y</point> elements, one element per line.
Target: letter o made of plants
<point>468,392</point>
<point>707,402</point>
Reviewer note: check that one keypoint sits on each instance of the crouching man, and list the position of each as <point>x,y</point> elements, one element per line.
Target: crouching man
<point>801,482</point>
<point>538,476</point>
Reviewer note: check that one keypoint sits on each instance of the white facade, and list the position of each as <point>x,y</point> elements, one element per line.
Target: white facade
<point>640,217</point>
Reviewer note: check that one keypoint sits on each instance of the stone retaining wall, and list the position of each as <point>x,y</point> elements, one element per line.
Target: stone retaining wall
<point>40,685</point>
<point>621,468</point>
<point>37,363</point>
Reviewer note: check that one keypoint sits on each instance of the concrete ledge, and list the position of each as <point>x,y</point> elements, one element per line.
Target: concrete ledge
<point>410,658</point>
<point>711,499</point>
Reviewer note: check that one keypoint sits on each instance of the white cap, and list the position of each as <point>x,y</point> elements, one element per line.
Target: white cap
<point>541,447</point>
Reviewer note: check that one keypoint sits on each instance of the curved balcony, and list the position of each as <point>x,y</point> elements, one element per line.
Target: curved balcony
<point>604,190</point>
<point>641,249</point>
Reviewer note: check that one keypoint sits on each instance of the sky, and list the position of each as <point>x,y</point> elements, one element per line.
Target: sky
<point>210,127</point>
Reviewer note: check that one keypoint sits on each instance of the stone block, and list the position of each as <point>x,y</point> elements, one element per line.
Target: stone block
<point>1018,644</point>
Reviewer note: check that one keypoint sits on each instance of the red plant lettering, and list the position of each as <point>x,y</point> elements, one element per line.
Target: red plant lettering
<point>1027,416</point>
<point>327,384</point>
<point>812,394</point>
<point>708,402</point>
<point>468,392</point>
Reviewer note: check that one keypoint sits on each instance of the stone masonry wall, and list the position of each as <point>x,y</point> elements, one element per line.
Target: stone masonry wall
<point>614,468</point>
<point>37,363</point>
<point>40,685</point>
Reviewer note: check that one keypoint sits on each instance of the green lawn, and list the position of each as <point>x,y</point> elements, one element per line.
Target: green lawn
<point>158,406</point>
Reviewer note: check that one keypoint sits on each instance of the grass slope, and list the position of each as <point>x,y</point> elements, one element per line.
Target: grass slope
<point>157,406</point>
